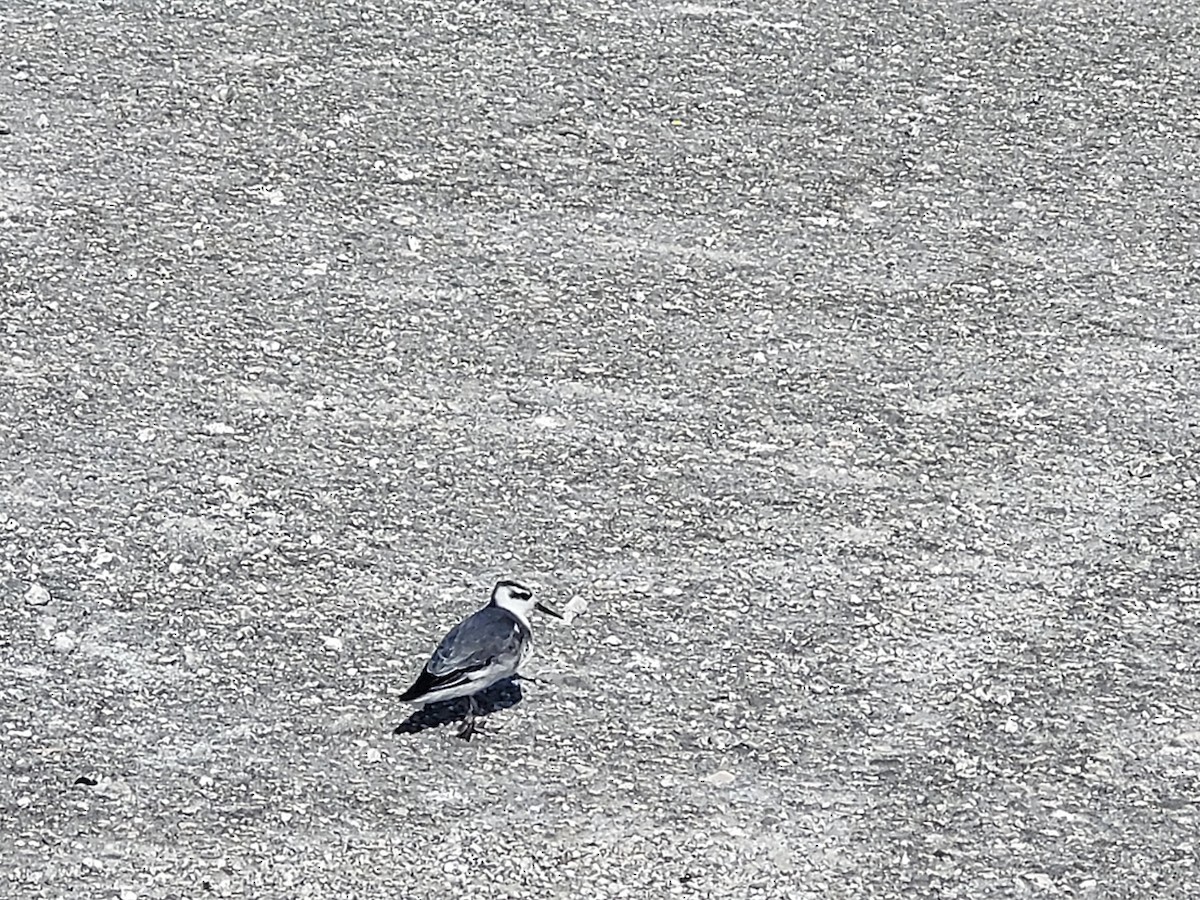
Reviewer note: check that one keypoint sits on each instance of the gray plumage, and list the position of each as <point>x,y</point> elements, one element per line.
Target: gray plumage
<point>475,654</point>
<point>479,651</point>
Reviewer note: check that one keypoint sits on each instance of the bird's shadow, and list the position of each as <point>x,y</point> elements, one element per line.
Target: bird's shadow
<point>501,695</point>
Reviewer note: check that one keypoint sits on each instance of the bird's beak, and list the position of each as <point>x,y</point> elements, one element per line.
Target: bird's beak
<point>548,610</point>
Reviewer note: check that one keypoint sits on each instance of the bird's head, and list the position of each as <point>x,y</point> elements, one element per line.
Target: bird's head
<point>517,598</point>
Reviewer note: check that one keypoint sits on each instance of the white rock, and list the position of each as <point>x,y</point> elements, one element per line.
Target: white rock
<point>37,595</point>
<point>576,607</point>
<point>64,642</point>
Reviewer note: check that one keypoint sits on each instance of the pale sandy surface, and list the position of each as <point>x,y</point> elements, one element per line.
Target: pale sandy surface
<point>843,357</point>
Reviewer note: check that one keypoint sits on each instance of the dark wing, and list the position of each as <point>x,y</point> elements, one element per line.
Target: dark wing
<point>491,635</point>
<point>427,683</point>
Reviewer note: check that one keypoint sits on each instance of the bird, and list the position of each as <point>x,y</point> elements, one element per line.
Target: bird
<point>479,651</point>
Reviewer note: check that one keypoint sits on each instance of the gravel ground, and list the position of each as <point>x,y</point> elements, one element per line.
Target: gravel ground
<point>842,357</point>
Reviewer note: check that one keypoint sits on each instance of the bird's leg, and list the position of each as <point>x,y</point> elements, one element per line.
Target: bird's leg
<point>468,726</point>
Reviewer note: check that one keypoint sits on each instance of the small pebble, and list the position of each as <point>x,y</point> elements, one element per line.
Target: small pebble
<point>37,595</point>
<point>575,608</point>
<point>63,642</point>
